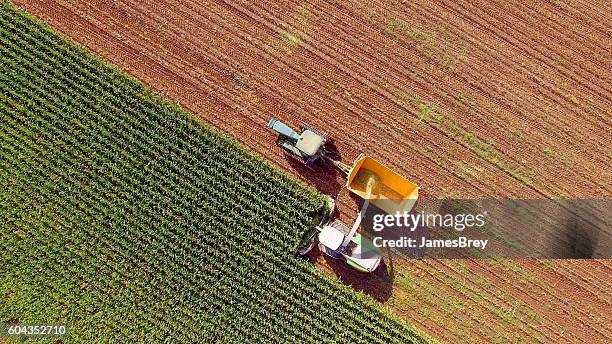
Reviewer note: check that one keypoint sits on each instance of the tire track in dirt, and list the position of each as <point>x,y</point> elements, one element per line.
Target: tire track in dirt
<point>494,301</point>
<point>591,276</point>
<point>532,30</point>
<point>606,141</point>
<point>591,169</point>
<point>564,98</point>
<point>362,46</point>
<point>529,184</point>
<point>548,26</point>
<point>483,298</point>
<point>478,15</point>
<point>595,271</point>
<point>482,269</point>
<point>551,55</point>
<point>431,325</point>
<point>547,159</point>
<point>548,165</point>
<point>499,307</point>
<point>573,317</point>
<point>440,17</point>
<point>436,17</point>
<point>593,19</point>
<point>574,297</point>
<point>577,279</point>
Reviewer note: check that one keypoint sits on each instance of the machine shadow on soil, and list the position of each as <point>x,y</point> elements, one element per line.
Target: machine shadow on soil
<point>377,284</point>
<point>324,177</point>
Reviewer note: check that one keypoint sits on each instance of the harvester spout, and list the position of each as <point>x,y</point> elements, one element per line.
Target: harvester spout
<point>371,183</point>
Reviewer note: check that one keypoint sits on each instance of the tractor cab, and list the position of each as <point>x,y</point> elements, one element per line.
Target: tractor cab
<point>308,144</point>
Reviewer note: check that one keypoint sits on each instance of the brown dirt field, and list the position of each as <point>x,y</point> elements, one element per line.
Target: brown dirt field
<point>471,99</point>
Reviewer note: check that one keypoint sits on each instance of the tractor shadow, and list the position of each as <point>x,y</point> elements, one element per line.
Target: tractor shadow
<point>323,175</point>
<point>332,149</point>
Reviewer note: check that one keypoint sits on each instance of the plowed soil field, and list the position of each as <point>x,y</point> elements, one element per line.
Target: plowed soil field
<point>467,99</point>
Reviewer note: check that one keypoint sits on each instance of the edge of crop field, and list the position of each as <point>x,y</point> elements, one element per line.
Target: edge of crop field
<point>371,303</point>
<point>116,72</point>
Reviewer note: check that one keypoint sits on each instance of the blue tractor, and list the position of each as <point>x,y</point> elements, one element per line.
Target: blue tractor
<point>308,145</point>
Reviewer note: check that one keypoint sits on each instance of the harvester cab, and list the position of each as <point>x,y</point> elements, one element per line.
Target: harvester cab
<point>360,253</point>
<point>369,179</point>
